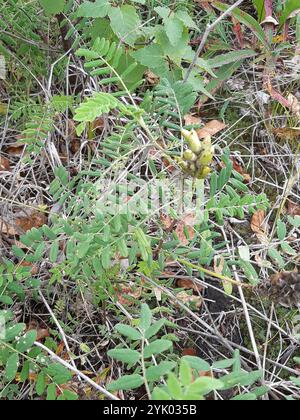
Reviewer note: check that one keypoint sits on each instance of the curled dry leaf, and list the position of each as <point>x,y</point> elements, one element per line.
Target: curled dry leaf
<point>258,226</point>
<point>210,129</point>
<point>22,223</point>
<point>294,105</point>
<point>15,149</point>
<point>237,167</point>
<point>189,300</point>
<point>293,209</point>
<point>189,351</point>
<point>4,164</point>
<point>166,220</point>
<point>190,284</point>
<point>191,120</point>
<point>42,333</point>
<point>257,221</point>
<point>152,78</point>
<point>186,224</point>
<point>131,291</point>
<point>287,133</point>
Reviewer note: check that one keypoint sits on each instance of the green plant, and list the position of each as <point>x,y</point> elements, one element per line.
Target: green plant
<point>147,356</point>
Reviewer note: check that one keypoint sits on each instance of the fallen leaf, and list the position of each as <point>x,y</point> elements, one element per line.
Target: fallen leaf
<point>35,219</point>
<point>191,120</point>
<point>186,224</point>
<point>98,124</point>
<point>34,268</point>
<point>259,227</point>
<point>8,229</point>
<point>205,5</point>
<point>152,78</point>
<point>166,220</point>
<point>293,209</point>
<point>133,293</point>
<point>189,352</point>
<point>294,105</point>
<point>287,133</point>
<point>190,284</point>
<point>42,333</point>
<point>237,167</point>
<point>18,225</point>
<point>60,349</point>
<point>187,299</point>
<point>15,149</point>
<point>4,164</point>
<point>257,221</point>
<point>210,129</point>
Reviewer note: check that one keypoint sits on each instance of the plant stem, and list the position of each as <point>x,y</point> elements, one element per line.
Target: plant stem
<point>144,370</point>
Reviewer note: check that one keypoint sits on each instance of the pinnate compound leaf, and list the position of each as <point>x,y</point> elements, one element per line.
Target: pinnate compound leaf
<point>100,103</point>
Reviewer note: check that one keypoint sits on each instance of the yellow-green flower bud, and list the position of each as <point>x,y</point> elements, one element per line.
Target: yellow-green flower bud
<point>193,140</point>
<point>206,143</point>
<point>189,155</point>
<point>205,159</point>
<point>192,167</point>
<point>203,173</point>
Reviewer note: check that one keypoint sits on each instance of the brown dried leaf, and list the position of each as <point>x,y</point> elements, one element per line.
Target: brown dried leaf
<point>41,332</point>
<point>166,220</point>
<point>293,209</point>
<point>257,221</point>
<point>188,300</point>
<point>294,105</point>
<point>191,120</point>
<point>34,268</point>
<point>21,224</point>
<point>35,219</point>
<point>189,351</point>
<point>210,129</point>
<point>15,149</point>
<point>187,223</point>
<point>152,78</point>
<point>7,228</point>
<point>98,124</point>
<point>190,284</point>
<point>237,167</point>
<point>4,164</point>
<point>129,290</point>
<point>287,133</point>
